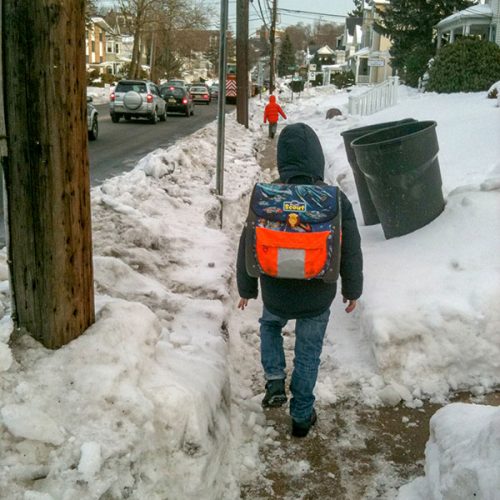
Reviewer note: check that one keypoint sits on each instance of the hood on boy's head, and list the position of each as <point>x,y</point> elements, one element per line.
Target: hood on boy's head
<point>272,98</point>
<point>300,153</point>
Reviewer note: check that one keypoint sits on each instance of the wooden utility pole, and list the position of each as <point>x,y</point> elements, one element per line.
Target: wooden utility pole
<point>272,40</point>
<point>47,169</point>
<point>242,62</point>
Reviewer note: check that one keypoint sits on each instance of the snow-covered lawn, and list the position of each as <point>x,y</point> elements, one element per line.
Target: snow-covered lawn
<point>160,398</point>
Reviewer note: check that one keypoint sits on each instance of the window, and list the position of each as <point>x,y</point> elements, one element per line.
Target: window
<point>100,59</point>
<point>100,36</point>
<point>127,86</point>
<point>93,46</point>
<point>117,48</point>
<point>363,66</point>
<point>109,47</point>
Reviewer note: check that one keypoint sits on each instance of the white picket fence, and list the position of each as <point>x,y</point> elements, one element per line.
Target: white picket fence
<point>378,97</point>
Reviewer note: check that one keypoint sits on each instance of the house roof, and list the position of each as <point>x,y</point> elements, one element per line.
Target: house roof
<point>476,12</point>
<point>325,51</point>
<point>99,21</point>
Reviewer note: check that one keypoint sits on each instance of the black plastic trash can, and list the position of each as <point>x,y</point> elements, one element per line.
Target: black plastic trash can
<point>401,168</point>
<point>368,210</point>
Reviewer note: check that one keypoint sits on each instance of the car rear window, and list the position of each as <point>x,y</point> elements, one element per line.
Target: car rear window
<point>128,86</point>
<point>198,89</point>
<point>176,92</point>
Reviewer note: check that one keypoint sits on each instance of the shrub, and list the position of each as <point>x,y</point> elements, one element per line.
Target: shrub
<point>493,90</point>
<point>318,80</point>
<point>343,79</point>
<point>467,65</point>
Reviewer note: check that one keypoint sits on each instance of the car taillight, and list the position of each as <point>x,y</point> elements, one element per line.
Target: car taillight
<point>112,96</point>
<point>184,101</point>
<point>172,88</point>
<point>205,96</point>
<point>149,98</point>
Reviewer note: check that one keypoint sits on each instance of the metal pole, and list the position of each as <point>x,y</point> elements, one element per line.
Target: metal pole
<point>242,62</point>
<point>222,97</point>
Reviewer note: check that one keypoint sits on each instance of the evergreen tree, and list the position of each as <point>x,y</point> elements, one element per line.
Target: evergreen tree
<point>410,24</point>
<point>287,57</point>
<point>358,9</point>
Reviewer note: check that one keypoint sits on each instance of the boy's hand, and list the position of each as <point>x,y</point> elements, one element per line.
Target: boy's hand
<point>351,306</point>
<point>242,304</point>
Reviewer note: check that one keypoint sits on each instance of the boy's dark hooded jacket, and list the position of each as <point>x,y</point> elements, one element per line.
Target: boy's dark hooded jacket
<point>301,161</point>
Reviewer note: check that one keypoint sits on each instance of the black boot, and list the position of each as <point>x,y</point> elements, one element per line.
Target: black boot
<point>301,429</point>
<point>275,393</point>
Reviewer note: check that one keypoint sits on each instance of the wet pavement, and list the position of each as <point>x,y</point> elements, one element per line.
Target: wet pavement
<point>352,453</point>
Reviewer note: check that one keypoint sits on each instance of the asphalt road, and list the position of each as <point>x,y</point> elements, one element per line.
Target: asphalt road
<point>120,145</point>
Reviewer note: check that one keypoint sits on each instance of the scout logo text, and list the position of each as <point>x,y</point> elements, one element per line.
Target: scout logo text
<point>294,206</point>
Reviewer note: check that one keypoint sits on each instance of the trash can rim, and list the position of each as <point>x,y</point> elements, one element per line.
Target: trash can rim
<point>376,127</point>
<point>428,124</point>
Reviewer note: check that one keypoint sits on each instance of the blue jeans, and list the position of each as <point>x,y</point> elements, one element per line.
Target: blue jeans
<point>309,335</point>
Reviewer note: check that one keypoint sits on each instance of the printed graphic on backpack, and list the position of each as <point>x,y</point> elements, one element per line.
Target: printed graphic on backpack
<point>294,231</point>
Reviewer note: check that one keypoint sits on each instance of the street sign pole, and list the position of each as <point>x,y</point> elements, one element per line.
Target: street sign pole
<point>222,99</point>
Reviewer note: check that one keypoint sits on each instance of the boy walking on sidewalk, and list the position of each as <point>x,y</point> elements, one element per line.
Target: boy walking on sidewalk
<point>271,115</point>
<point>308,301</point>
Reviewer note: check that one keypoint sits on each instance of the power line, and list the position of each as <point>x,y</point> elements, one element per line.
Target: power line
<point>310,12</point>
<point>261,12</point>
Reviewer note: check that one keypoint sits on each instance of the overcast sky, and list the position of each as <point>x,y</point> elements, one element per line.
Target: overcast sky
<point>325,11</point>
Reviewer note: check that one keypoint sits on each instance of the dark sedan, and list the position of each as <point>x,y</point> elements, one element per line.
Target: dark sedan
<point>178,100</point>
<point>200,93</point>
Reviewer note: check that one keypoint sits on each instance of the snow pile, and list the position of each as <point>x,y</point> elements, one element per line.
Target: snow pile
<point>139,404</point>
<point>462,455</point>
<point>100,95</point>
<point>428,309</point>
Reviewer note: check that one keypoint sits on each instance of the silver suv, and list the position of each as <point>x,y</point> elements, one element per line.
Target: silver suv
<point>137,99</point>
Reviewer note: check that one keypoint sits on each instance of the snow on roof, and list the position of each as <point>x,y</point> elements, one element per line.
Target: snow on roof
<point>474,12</point>
<point>325,50</point>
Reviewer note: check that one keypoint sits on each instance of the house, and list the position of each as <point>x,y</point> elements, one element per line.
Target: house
<point>350,40</point>
<point>481,21</point>
<point>324,56</point>
<point>372,62</point>
<point>119,44</point>
<point>95,43</point>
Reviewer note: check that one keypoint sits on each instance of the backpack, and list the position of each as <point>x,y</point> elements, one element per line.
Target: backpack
<point>294,231</point>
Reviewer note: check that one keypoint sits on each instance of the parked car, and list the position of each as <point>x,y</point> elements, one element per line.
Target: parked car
<point>214,91</point>
<point>200,93</point>
<point>92,120</point>
<point>137,99</point>
<point>178,100</point>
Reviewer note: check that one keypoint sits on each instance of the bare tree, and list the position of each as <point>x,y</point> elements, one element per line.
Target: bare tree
<point>138,13</point>
<point>155,24</point>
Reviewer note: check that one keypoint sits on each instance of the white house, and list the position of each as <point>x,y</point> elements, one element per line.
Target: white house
<point>482,21</point>
<point>372,62</point>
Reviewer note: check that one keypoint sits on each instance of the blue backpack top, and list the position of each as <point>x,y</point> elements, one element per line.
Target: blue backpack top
<point>294,231</point>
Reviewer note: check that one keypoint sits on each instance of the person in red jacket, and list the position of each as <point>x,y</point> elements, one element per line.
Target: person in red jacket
<point>271,115</point>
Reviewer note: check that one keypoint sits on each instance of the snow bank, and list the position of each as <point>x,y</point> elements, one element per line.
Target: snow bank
<point>139,405</point>
<point>428,309</point>
<point>461,456</point>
